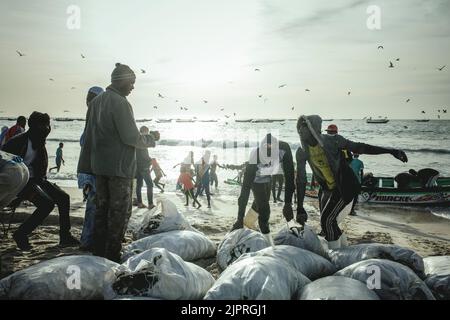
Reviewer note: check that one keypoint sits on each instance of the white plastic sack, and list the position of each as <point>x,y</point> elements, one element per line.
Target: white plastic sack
<point>238,242</point>
<point>157,273</point>
<point>307,239</point>
<point>63,278</point>
<point>390,280</point>
<point>188,245</point>
<point>308,263</point>
<point>346,256</point>
<point>258,278</point>
<point>337,288</point>
<point>162,219</point>
<point>437,270</point>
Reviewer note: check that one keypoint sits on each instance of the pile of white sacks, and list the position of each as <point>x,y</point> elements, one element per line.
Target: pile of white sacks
<point>158,265</point>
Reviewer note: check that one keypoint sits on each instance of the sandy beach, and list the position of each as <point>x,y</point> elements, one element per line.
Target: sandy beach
<point>413,228</point>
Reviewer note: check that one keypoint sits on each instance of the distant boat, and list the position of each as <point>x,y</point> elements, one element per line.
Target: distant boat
<point>163,120</point>
<point>346,119</point>
<point>243,120</point>
<point>422,120</point>
<point>262,121</point>
<point>327,119</point>
<point>143,120</point>
<point>208,121</point>
<point>185,120</point>
<point>64,119</point>
<point>380,120</point>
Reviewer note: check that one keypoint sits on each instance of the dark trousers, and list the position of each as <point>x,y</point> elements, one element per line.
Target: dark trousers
<point>205,187</point>
<point>113,201</point>
<point>331,204</point>
<point>44,195</point>
<point>277,179</point>
<point>140,178</point>
<point>355,201</point>
<point>213,179</point>
<point>261,195</point>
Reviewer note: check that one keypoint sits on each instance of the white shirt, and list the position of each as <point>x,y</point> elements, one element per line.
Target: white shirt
<point>29,158</point>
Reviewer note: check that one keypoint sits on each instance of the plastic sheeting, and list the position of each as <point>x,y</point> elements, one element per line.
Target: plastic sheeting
<point>306,239</point>
<point>165,218</point>
<point>157,273</point>
<point>308,263</point>
<point>258,278</point>
<point>390,280</point>
<point>238,242</point>
<point>437,270</point>
<point>344,257</point>
<point>63,278</point>
<point>188,245</point>
<point>337,288</point>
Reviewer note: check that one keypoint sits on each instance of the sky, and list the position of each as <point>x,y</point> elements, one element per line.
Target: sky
<point>208,50</point>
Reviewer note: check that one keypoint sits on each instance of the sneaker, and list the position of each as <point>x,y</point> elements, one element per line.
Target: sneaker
<point>22,242</point>
<point>68,241</point>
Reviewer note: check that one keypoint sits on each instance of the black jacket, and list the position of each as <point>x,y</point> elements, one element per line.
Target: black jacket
<point>18,145</point>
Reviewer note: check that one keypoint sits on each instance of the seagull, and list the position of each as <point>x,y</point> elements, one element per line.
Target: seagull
<point>348,93</point>
<point>83,56</point>
<point>160,95</point>
<point>73,88</point>
<point>398,59</point>
<point>176,100</point>
<point>307,90</point>
<point>282,86</point>
<point>408,100</point>
<point>185,108</point>
<point>260,96</point>
<point>20,53</point>
<point>155,107</point>
<point>143,71</point>
<point>181,108</point>
<point>257,69</point>
<point>423,111</point>
<point>442,68</point>
<point>205,101</point>
<point>65,111</point>
<point>444,110</point>
<point>380,47</point>
<point>292,108</point>
<point>391,65</point>
<point>227,117</point>
<point>51,79</point>
<point>234,114</point>
<point>439,110</point>
<point>222,109</point>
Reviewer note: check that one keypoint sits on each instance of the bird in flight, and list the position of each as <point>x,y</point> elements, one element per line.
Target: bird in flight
<point>257,69</point>
<point>176,100</point>
<point>51,79</point>
<point>205,101</point>
<point>292,108</point>
<point>398,59</point>
<point>185,108</point>
<point>160,96</point>
<point>442,68</point>
<point>143,71</point>
<point>83,56</point>
<point>234,114</point>
<point>155,107</point>
<point>20,53</point>
<point>65,111</point>
<point>408,100</point>
<point>349,93</point>
<point>73,88</point>
<point>391,65</point>
<point>260,96</point>
<point>444,110</point>
<point>380,47</point>
<point>423,111</point>
<point>222,109</point>
<point>181,108</point>
<point>282,86</point>
<point>227,117</point>
<point>307,90</point>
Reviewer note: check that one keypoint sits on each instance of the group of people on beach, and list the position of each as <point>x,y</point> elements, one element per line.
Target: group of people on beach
<point>114,152</point>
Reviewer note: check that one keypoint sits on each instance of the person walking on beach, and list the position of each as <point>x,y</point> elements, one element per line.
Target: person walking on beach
<point>3,136</point>
<point>59,158</point>
<point>109,153</point>
<point>264,161</point>
<point>30,146</point>
<point>203,177</point>
<point>16,129</point>
<point>213,172</point>
<point>143,163</point>
<point>337,181</point>
<point>277,179</point>
<point>86,182</point>
<point>186,180</point>
<point>159,173</point>
<point>358,168</point>
<point>185,166</point>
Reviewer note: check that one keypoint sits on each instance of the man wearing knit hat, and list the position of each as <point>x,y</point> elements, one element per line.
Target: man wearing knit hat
<point>108,153</point>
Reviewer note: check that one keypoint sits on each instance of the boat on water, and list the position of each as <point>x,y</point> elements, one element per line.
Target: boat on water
<point>208,120</point>
<point>64,119</point>
<point>385,191</point>
<point>262,121</point>
<point>243,120</point>
<point>163,120</point>
<point>143,120</point>
<point>185,120</point>
<point>422,120</point>
<point>379,120</point>
<point>327,119</point>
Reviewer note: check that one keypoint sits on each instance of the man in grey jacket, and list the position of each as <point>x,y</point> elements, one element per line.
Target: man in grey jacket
<point>338,183</point>
<point>109,152</point>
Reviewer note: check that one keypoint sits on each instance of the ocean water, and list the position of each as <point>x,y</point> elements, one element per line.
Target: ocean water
<point>427,145</point>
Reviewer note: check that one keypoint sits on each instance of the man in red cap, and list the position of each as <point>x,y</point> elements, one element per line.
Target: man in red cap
<point>332,129</point>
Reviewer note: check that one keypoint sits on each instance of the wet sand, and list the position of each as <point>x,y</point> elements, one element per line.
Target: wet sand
<point>413,228</point>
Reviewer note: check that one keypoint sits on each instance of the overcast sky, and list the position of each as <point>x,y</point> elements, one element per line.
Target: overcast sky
<point>208,50</point>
